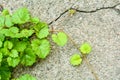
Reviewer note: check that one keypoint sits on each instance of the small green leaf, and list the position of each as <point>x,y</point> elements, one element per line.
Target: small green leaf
<point>5,51</point>
<point>1,56</point>
<point>41,29</point>
<point>39,26</point>
<point>13,61</point>
<point>3,31</point>
<point>2,37</point>
<point>43,49</point>
<point>60,38</point>
<point>1,44</point>
<point>5,12</point>
<point>21,16</point>
<point>11,32</point>
<point>5,71</point>
<point>75,60</point>
<point>35,20</point>
<point>2,20</point>
<point>43,33</point>
<point>14,53</point>
<point>35,44</point>
<point>28,57</point>
<point>26,33</point>
<point>20,45</point>
<point>8,21</point>
<point>14,29</point>
<point>85,48</point>
<point>26,77</point>
<point>8,44</point>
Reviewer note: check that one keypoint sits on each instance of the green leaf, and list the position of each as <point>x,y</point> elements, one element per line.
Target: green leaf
<point>8,44</point>
<point>2,20</point>
<point>26,77</point>
<point>35,20</point>
<point>20,45</point>
<point>11,32</point>
<point>28,57</point>
<point>35,44</point>
<point>21,16</point>
<point>75,60</point>
<point>5,51</point>
<point>1,56</point>
<point>1,44</point>
<point>14,29</point>
<point>85,48</point>
<point>5,12</point>
<point>43,33</point>
<point>26,33</point>
<point>5,71</point>
<point>60,38</point>
<point>8,21</point>
<point>39,26</point>
<point>13,61</point>
<point>3,31</point>
<point>43,49</point>
<point>2,37</point>
<point>14,53</point>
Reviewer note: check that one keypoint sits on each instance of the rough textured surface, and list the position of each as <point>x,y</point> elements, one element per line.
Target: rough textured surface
<point>94,4</point>
<point>47,10</point>
<point>96,21</point>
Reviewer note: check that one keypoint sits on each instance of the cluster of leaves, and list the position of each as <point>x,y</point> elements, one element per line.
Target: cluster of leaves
<point>76,59</point>
<point>26,77</point>
<point>23,39</point>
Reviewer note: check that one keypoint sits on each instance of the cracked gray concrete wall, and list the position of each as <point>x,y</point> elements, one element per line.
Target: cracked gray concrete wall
<point>96,21</point>
<point>94,4</point>
<point>102,30</point>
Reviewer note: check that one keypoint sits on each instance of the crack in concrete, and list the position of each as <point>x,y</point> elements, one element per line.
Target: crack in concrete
<point>82,11</point>
<point>93,11</point>
<point>58,16</point>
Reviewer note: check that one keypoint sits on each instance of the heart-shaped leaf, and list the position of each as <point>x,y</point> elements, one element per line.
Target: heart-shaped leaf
<point>85,48</point>
<point>75,60</point>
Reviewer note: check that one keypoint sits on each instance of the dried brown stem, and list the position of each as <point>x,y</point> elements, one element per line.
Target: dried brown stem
<point>90,67</point>
<point>83,56</point>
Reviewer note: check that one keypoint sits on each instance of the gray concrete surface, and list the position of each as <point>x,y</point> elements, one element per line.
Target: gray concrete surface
<point>96,21</point>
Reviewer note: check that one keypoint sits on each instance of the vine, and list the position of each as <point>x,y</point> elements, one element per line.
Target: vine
<point>24,39</point>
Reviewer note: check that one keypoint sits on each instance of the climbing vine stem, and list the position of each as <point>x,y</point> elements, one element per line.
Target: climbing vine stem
<point>83,56</point>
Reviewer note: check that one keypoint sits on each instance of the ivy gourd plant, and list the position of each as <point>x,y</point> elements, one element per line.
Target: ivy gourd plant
<point>85,48</point>
<point>24,39</point>
<point>76,59</point>
<point>60,38</point>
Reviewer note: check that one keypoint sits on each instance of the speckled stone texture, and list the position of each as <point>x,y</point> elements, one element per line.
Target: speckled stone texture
<point>96,21</point>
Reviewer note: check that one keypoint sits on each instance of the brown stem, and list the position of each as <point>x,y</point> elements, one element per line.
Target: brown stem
<point>90,67</point>
<point>84,57</point>
<point>73,42</point>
